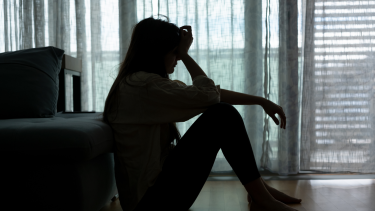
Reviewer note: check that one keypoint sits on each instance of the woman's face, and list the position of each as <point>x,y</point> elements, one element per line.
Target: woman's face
<point>170,60</point>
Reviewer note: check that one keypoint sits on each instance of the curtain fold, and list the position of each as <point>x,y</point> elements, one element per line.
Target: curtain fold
<point>81,53</point>
<point>127,20</point>
<point>249,47</point>
<point>96,47</point>
<point>253,116</point>
<point>245,46</point>
<point>80,27</point>
<point>308,91</point>
<point>27,25</point>
<point>59,25</point>
<point>314,58</point>
<point>276,79</point>
<point>288,141</point>
<point>39,29</point>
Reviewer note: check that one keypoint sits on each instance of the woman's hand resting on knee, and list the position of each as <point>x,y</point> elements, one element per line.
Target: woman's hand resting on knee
<point>271,109</point>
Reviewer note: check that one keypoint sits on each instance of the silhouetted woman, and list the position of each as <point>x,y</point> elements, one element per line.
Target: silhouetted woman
<point>143,107</point>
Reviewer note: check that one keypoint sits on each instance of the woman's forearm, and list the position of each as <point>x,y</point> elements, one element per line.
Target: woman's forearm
<point>193,68</point>
<point>236,98</point>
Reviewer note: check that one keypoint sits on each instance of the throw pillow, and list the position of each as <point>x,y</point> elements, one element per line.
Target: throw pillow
<point>29,82</point>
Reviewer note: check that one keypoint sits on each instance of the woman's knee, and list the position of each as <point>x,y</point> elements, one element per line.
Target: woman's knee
<point>223,109</point>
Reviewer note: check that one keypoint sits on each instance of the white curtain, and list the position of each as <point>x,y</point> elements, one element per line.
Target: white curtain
<point>86,29</point>
<point>314,58</point>
<point>249,47</point>
<point>338,86</point>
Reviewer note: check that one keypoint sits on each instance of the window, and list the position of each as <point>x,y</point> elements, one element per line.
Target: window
<point>344,45</point>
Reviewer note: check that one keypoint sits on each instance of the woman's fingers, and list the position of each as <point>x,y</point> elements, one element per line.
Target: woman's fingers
<point>186,38</point>
<point>275,119</point>
<point>185,34</point>
<point>282,119</point>
<point>188,33</point>
<point>272,109</point>
<point>187,27</point>
<point>284,122</point>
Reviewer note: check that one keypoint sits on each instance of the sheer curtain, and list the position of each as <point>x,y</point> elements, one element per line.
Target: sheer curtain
<point>86,29</point>
<point>249,47</point>
<point>338,86</point>
<point>245,46</point>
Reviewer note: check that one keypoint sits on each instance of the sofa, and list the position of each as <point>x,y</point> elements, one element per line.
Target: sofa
<point>50,159</point>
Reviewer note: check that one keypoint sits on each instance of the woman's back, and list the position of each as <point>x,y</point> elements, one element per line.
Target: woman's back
<point>140,124</point>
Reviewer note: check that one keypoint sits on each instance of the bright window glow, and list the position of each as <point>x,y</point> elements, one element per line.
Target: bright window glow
<point>323,72</point>
<point>340,156</point>
<point>341,126</point>
<point>333,133</point>
<point>341,103</point>
<point>341,50</point>
<point>356,18</point>
<point>346,26</point>
<point>339,110</point>
<point>328,88</point>
<point>359,141</point>
<point>325,141</point>
<point>340,57</point>
<point>341,118</point>
<point>340,42</point>
<point>344,34</point>
<point>338,64</point>
<point>345,3</point>
<point>338,11</point>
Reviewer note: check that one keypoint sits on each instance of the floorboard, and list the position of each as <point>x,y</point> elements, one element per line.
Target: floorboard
<point>317,195</point>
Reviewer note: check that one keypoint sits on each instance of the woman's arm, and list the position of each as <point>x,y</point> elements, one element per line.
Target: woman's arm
<point>236,98</point>
<point>193,68</point>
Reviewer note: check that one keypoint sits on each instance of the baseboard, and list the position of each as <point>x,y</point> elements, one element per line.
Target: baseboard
<point>306,175</point>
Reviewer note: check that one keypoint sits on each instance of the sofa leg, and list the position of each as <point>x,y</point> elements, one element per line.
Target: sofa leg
<point>115,198</point>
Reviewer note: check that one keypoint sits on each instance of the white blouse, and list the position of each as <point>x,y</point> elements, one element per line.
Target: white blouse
<point>141,129</point>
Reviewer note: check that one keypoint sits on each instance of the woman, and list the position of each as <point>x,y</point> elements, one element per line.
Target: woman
<point>142,108</point>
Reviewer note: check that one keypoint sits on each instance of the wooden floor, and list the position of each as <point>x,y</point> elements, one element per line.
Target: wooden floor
<point>316,195</point>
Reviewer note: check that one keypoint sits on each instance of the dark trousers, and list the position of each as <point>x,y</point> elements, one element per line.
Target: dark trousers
<point>188,166</point>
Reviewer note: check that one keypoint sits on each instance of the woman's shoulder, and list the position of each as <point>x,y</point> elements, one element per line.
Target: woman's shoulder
<point>140,78</point>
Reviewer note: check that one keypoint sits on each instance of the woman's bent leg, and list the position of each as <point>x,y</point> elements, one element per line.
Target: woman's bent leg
<point>188,166</point>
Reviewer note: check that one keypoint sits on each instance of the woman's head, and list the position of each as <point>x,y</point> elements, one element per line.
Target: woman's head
<point>152,49</point>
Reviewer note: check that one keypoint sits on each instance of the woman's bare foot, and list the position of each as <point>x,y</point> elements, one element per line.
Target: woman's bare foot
<point>270,206</point>
<point>260,196</point>
<point>280,196</point>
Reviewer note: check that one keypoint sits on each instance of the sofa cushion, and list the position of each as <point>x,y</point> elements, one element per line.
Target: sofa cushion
<point>69,137</point>
<point>29,80</point>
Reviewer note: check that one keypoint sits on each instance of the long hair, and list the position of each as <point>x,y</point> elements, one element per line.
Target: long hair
<point>151,40</point>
